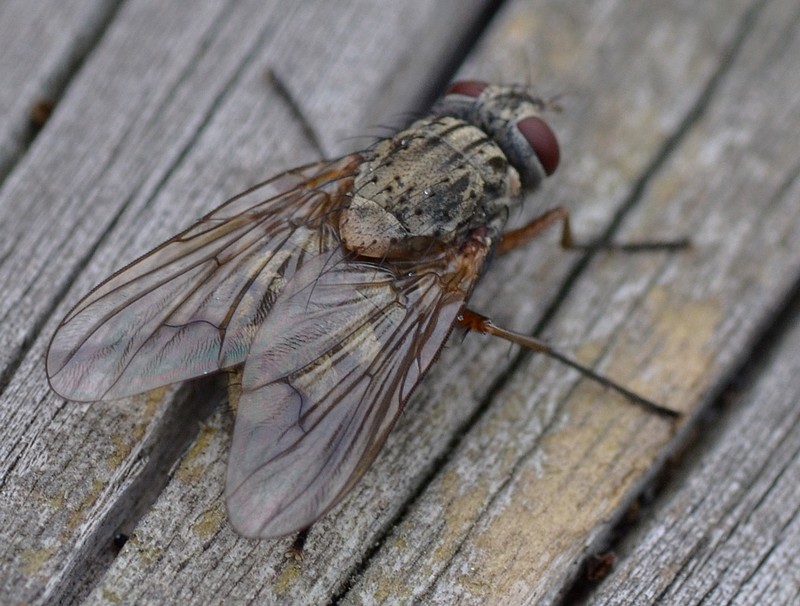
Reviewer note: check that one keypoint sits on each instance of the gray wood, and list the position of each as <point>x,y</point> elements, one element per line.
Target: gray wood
<point>43,43</point>
<point>171,114</point>
<point>729,529</point>
<point>506,471</point>
<point>537,482</point>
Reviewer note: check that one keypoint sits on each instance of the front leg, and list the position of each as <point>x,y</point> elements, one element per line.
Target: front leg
<point>518,237</point>
<point>522,235</point>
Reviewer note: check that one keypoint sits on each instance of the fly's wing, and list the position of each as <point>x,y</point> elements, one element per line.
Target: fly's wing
<point>326,378</point>
<point>193,305</point>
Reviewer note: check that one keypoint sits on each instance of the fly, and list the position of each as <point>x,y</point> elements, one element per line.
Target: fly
<point>330,289</point>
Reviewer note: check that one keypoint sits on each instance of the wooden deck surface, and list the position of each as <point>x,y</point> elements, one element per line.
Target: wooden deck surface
<point>508,479</point>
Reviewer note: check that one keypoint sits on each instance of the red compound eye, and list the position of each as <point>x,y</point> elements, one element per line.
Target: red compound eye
<point>543,142</point>
<point>470,88</point>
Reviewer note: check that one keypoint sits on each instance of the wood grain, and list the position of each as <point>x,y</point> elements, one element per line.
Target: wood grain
<point>507,471</point>
<point>534,487</point>
<point>43,44</point>
<point>171,114</point>
<point>728,529</point>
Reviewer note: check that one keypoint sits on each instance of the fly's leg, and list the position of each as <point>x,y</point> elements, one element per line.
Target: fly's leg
<point>295,552</point>
<point>283,91</point>
<point>478,323</point>
<point>518,237</point>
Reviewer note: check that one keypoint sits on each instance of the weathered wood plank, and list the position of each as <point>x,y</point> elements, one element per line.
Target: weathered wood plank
<point>415,429</point>
<point>43,42</point>
<point>171,114</point>
<point>729,530</point>
<point>537,482</point>
<point>492,524</point>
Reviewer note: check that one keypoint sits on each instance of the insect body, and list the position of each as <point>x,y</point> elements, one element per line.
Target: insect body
<point>335,285</point>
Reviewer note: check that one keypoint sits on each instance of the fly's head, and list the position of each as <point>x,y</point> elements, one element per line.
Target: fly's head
<point>512,117</point>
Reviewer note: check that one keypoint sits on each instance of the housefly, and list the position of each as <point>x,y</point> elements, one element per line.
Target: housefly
<point>332,288</point>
